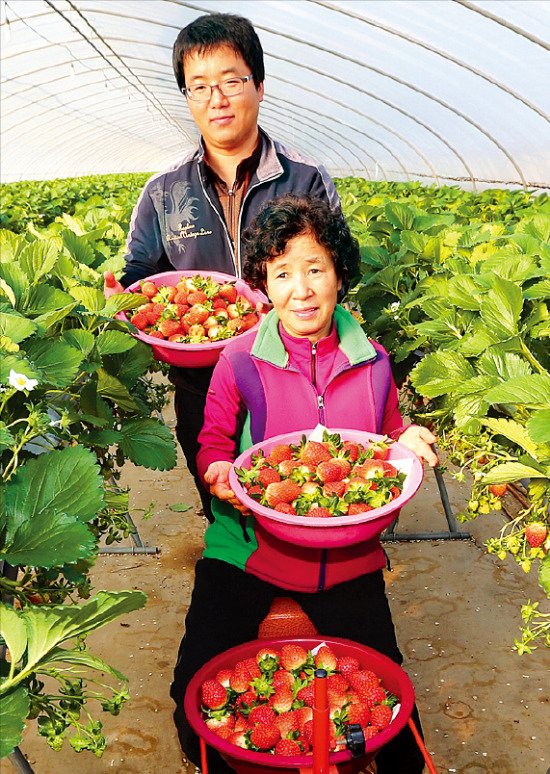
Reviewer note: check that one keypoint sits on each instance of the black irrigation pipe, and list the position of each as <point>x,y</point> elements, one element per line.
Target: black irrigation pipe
<point>453,532</point>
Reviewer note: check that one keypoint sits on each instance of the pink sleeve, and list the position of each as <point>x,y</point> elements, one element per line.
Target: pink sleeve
<point>392,423</point>
<point>223,405</point>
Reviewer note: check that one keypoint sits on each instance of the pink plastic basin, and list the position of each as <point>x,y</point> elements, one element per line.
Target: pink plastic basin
<point>193,355</point>
<point>393,678</point>
<point>339,530</point>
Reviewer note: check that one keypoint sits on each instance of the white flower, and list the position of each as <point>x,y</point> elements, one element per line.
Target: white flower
<point>21,382</point>
<point>395,306</point>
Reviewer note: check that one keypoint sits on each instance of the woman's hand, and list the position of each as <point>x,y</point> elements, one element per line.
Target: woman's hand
<point>217,477</point>
<point>418,440</point>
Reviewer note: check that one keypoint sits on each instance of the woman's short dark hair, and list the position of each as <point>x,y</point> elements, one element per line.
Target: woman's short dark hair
<point>219,29</point>
<point>292,215</point>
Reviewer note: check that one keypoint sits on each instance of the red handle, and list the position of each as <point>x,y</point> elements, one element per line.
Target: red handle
<point>420,743</point>
<point>204,763</point>
<point>320,724</point>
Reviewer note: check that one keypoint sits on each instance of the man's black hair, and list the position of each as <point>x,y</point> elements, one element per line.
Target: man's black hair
<point>219,29</point>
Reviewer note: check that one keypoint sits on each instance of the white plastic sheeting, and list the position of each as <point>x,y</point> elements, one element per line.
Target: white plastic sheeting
<point>441,91</point>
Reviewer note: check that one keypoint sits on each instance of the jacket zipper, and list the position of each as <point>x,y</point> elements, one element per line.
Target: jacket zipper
<point>320,407</point>
<point>222,221</point>
<point>245,197</point>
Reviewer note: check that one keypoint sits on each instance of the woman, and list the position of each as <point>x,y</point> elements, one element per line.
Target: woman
<point>309,363</point>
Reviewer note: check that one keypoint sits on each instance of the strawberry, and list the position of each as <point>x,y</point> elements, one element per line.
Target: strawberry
<point>152,317</point>
<point>337,681</point>
<point>228,292</point>
<point>139,319</point>
<point>148,289</point>
<point>257,492</point>
<point>346,665</point>
<point>535,533</point>
<point>380,450</point>
<point>285,467</point>
<point>285,508</point>
<point>223,677</point>
<point>325,659</point>
<point>390,471</point>
<point>358,713</point>
<point>334,488</point>
<point>369,732</point>
<point>181,298</point>
<point>155,334</point>
<point>265,736</point>
<point>261,714</point>
<point>169,328</point>
<point>268,476</point>
<point>282,492</point>
<point>307,695</point>
<point>251,667</point>
<point>197,297</point>
<point>363,680</point>
<point>330,470</point>
<point>109,278</point>
<point>319,513</point>
<point>235,325</point>
<point>282,700</point>
<point>287,747</point>
<point>226,721</point>
<point>244,303</point>
<point>293,657</point>
<point>158,308</point>
<point>381,716</point>
<point>369,469</point>
<point>498,489</point>
<point>313,453</point>
<point>302,715</point>
<point>240,739</point>
<point>355,508</point>
<point>240,680</point>
<point>279,453</point>
<point>373,696</point>
<point>197,314</point>
<point>352,448</point>
<point>267,658</point>
<point>214,695</point>
<point>250,320</point>
<point>219,303</point>
<point>283,678</point>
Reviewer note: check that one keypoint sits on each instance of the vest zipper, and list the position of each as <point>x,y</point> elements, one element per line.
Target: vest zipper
<point>320,400</point>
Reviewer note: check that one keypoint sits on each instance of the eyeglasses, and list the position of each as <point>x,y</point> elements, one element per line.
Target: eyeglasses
<point>202,92</point>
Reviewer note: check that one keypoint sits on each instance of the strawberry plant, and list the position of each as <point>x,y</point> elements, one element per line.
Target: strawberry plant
<point>455,285</point>
<point>76,401</point>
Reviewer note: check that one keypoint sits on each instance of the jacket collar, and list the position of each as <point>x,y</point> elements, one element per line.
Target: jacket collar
<point>354,343</point>
<point>269,165</point>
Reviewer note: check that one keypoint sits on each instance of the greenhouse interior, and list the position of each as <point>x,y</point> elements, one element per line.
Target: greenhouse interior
<point>218,220</point>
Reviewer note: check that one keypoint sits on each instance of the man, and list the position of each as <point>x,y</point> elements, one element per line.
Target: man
<point>191,216</point>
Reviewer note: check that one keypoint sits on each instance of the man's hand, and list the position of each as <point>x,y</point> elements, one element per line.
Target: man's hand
<point>217,476</point>
<point>110,285</point>
<point>418,440</point>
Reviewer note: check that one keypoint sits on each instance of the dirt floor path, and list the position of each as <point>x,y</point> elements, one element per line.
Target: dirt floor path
<point>485,710</point>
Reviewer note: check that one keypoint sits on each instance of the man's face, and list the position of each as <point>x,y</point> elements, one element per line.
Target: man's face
<point>227,124</point>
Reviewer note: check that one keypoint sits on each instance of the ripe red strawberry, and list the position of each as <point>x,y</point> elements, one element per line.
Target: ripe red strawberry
<point>498,489</point>
<point>169,327</point>
<point>234,325</point>
<point>313,453</point>
<point>285,508</point>
<point>262,714</point>
<point>390,471</point>
<point>535,533</point>
<point>285,467</point>
<point>240,680</point>
<point>355,508</point>
<point>337,682</point>
<point>279,453</point>
<point>214,695</point>
<point>152,317</point>
<point>319,513</point>
<point>288,747</point>
<point>250,320</point>
<point>330,470</point>
<point>282,492</point>
<point>380,716</point>
<point>334,488</point>
<point>363,680</point>
<point>251,666</point>
<point>293,657</point>
<point>358,713</point>
<point>380,450</point>
<point>268,476</point>
<point>245,701</point>
<point>155,334</point>
<point>228,291</point>
<point>372,696</point>
<point>369,732</point>
<point>282,700</point>
<point>325,659</point>
<point>181,298</point>
<point>226,721</point>
<point>223,677</point>
<point>197,297</point>
<point>219,303</point>
<point>265,736</point>
<point>352,448</point>
<point>395,492</point>
<point>283,678</point>
<point>346,665</point>
<point>139,319</point>
<point>369,469</point>
<point>256,492</point>
<point>148,289</point>
<point>307,695</point>
<point>241,723</point>
<point>240,739</point>
<point>287,723</point>
<point>197,314</point>
<point>302,715</point>
<point>158,308</point>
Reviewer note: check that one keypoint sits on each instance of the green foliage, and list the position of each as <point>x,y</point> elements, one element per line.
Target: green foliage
<point>455,286</point>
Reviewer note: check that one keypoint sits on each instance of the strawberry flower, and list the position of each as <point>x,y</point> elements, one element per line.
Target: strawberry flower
<point>21,382</point>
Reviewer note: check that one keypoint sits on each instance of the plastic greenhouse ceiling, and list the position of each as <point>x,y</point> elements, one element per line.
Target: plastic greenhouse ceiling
<point>441,91</point>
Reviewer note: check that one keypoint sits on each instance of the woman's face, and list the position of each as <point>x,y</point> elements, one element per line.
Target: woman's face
<point>303,287</point>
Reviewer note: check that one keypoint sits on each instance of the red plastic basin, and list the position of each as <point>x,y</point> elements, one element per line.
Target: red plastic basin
<point>244,761</point>
<point>193,355</point>
<point>339,530</point>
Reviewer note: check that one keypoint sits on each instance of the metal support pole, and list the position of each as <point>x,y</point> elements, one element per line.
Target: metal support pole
<point>19,762</point>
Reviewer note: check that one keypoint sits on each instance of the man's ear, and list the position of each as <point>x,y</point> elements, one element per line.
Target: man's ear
<point>260,91</point>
